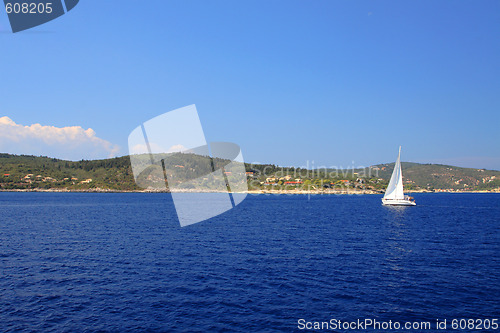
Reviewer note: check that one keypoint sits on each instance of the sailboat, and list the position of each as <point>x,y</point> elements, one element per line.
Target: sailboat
<point>394,194</point>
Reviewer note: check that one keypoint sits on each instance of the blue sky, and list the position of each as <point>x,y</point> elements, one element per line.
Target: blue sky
<point>334,82</point>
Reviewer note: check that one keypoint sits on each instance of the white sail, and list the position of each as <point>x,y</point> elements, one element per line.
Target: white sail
<point>395,189</point>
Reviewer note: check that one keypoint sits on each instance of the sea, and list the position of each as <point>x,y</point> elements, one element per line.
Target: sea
<point>120,262</point>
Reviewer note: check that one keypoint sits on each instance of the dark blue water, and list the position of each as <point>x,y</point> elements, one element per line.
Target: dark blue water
<point>120,262</point>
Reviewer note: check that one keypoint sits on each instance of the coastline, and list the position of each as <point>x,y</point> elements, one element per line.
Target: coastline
<point>253,192</point>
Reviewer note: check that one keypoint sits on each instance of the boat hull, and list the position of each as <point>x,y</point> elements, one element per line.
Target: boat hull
<point>398,202</point>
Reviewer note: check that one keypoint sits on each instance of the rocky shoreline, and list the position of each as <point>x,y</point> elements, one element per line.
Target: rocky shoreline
<point>307,192</point>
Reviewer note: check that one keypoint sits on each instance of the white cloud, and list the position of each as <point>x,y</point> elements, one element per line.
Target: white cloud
<point>73,142</point>
<point>155,149</point>
<point>177,148</point>
<point>144,149</point>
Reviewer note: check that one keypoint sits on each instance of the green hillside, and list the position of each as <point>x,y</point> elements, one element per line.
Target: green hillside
<point>438,176</point>
<point>23,172</point>
<point>30,172</point>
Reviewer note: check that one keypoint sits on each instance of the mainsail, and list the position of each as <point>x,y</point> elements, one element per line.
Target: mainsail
<point>395,189</point>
